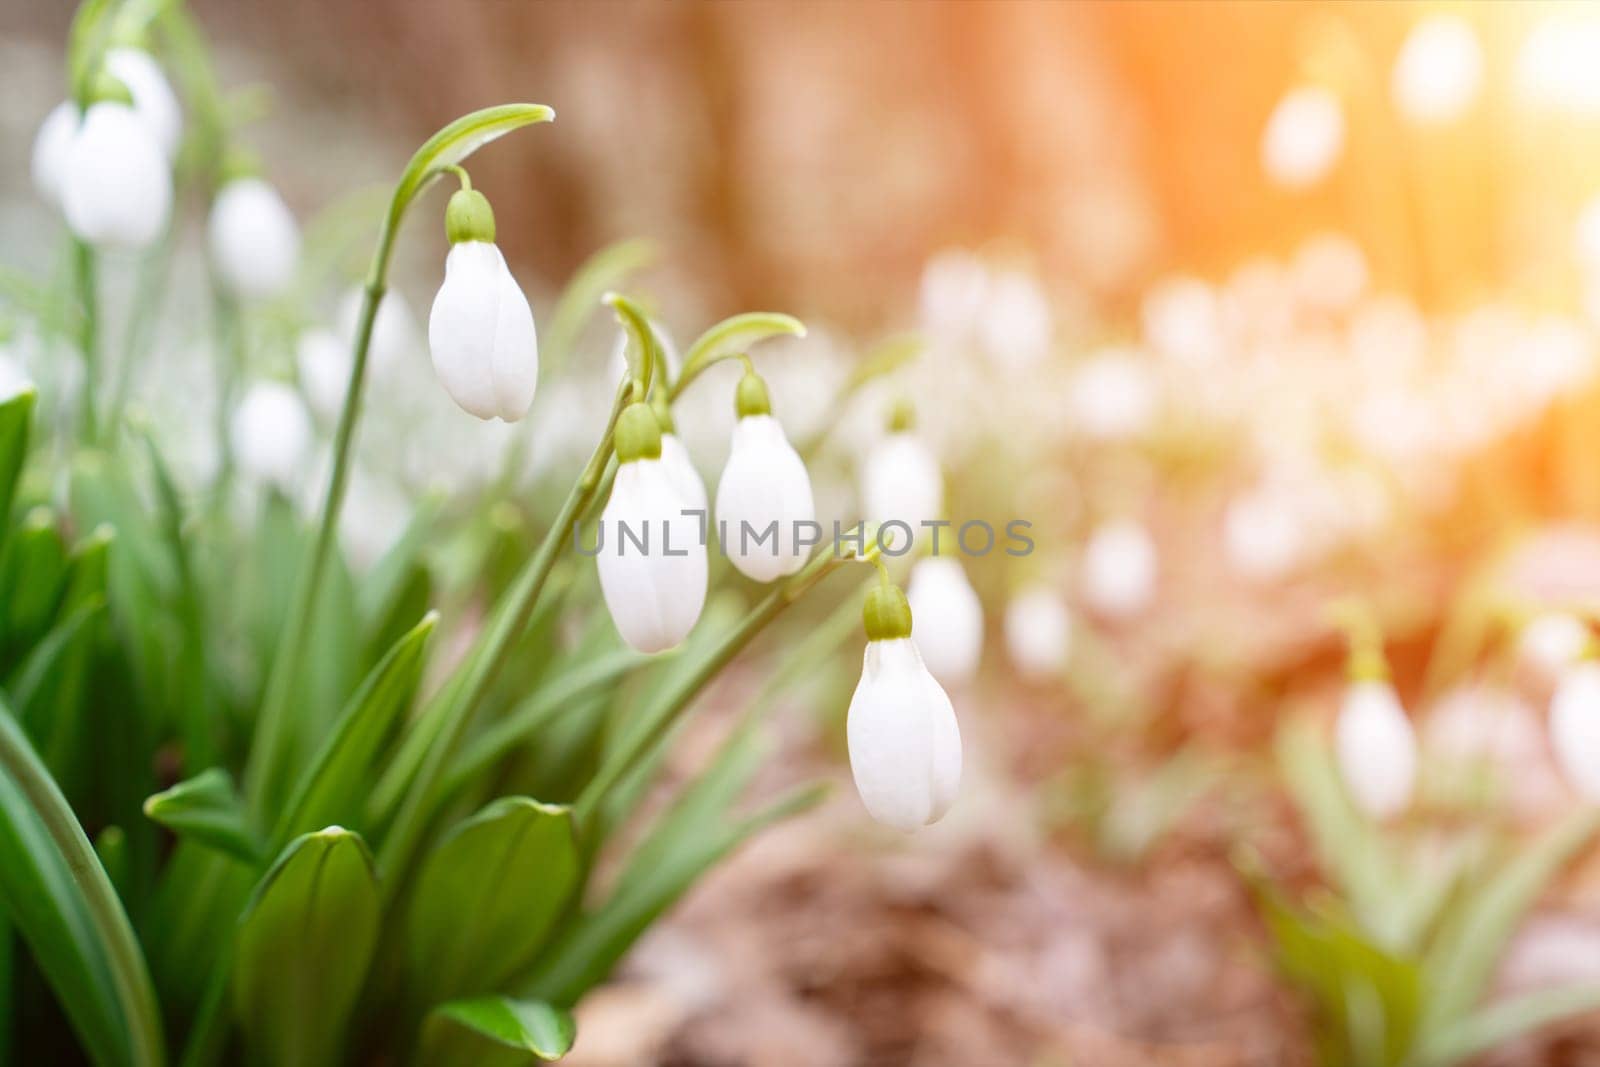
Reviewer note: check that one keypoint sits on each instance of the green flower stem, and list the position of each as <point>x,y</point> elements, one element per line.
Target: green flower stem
<point>228,331</point>
<point>618,765</point>
<point>83,269</point>
<point>484,666</point>
<point>129,975</point>
<point>147,304</point>
<point>271,749</point>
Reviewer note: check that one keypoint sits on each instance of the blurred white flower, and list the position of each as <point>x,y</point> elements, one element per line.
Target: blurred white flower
<point>951,636</point>
<point>1330,272</point>
<point>116,186</point>
<point>50,147</point>
<point>271,435</point>
<point>764,490</point>
<point>254,240</point>
<point>1038,632</point>
<point>14,377</point>
<point>1575,728</point>
<point>901,481</point>
<point>1111,396</point>
<point>481,334</point>
<point>1555,65</point>
<point>1439,70</point>
<point>394,328</point>
<point>1182,321</point>
<point>1119,569</point>
<point>905,745</point>
<point>955,290</point>
<point>1016,324</point>
<point>323,363</point>
<point>153,98</point>
<point>1304,137</point>
<point>1376,749</point>
<point>1552,642</point>
<point>1388,338</point>
<point>1263,535</point>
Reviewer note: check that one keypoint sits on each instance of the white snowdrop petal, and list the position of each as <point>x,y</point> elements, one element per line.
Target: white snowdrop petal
<point>116,188</point>
<point>1376,749</point>
<point>905,744</point>
<point>1038,632</point>
<point>901,481</point>
<point>271,434</point>
<point>253,239</point>
<point>681,472</point>
<point>654,594</point>
<point>481,335</point>
<point>950,635</point>
<point>764,483</point>
<point>153,99</point>
<point>1575,728</point>
<point>1303,138</point>
<point>50,147</point>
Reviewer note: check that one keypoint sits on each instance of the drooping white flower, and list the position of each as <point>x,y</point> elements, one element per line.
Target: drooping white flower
<point>1553,642</point>
<point>323,362</point>
<point>394,332</point>
<point>905,745</point>
<point>116,186</point>
<point>253,238</point>
<point>1111,396</point>
<point>1439,70</point>
<point>1575,728</point>
<point>901,482</point>
<point>1303,138</point>
<point>651,556</point>
<point>951,638</point>
<point>1376,748</point>
<point>1119,569</point>
<point>50,147</point>
<point>481,333</point>
<point>271,434</point>
<point>153,98</point>
<point>764,501</point>
<point>681,470</point>
<point>1038,632</point>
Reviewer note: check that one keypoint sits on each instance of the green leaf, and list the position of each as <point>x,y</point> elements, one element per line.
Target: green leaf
<point>732,336</point>
<point>16,416</point>
<point>305,942</point>
<point>336,782</point>
<point>605,270</point>
<point>1494,1025</point>
<point>33,571</point>
<point>207,808</point>
<point>455,142</point>
<point>61,902</point>
<point>487,897</point>
<point>1474,934</point>
<point>493,1030</point>
<point>645,361</point>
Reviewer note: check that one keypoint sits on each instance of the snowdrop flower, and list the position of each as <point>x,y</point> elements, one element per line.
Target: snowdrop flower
<point>1439,70</point>
<point>1119,569</point>
<point>393,327</point>
<point>1575,728</point>
<point>1038,632</point>
<point>1303,138</point>
<point>651,556</point>
<point>901,480</point>
<point>939,591</point>
<point>764,496</point>
<point>1182,320</point>
<point>153,99</point>
<point>1263,535</point>
<point>905,745</point>
<point>675,458</point>
<point>271,434</point>
<point>1375,746</point>
<point>1553,642</point>
<point>50,147</point>
<point>955,286</point>
<point>1111,397</point>
<point>1016,324</point>
<point>116,186</point>
<point>253,239</point>
<point>323,362</point>
<point>481,333</point>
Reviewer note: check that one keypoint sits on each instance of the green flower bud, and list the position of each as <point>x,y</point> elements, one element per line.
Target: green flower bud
<point>469,217</point>
<point>638,434</point>
<point>886,613</point>
<point>751,397</point>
